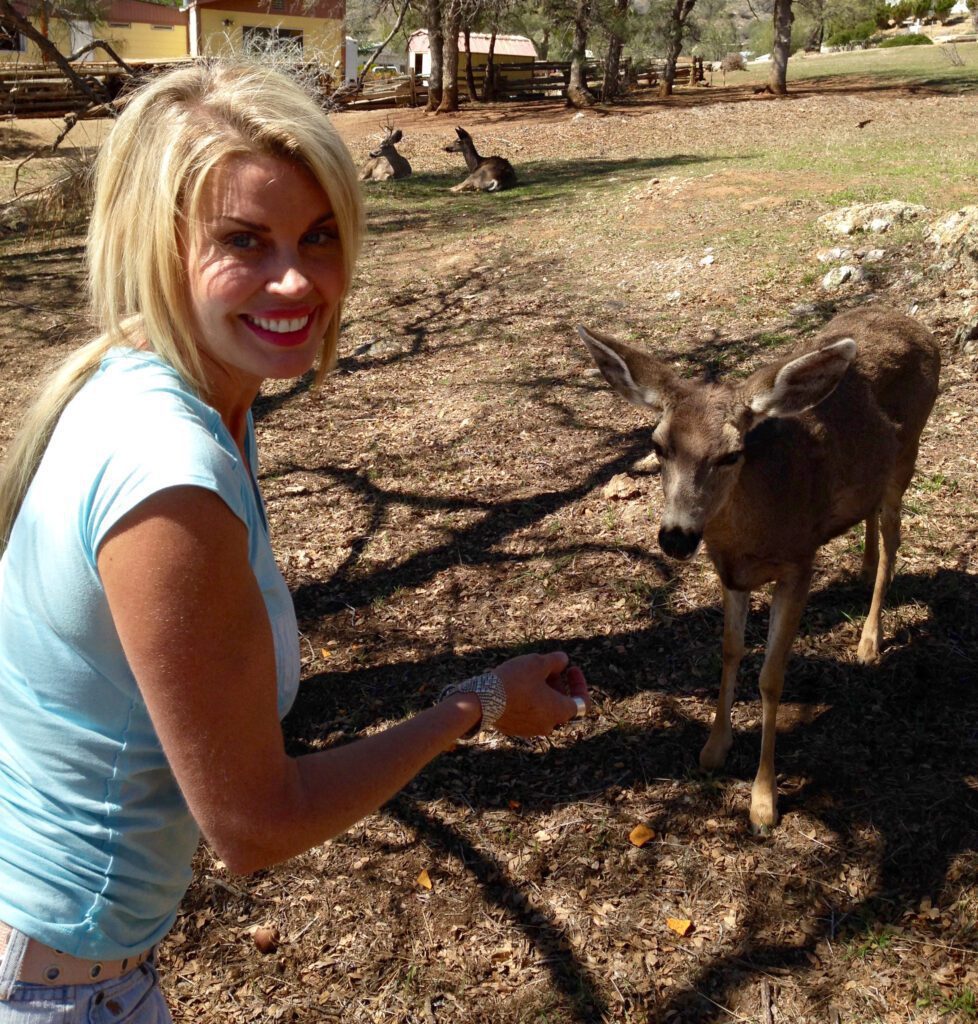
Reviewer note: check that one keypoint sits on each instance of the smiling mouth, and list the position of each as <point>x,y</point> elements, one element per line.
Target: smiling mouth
<point>279,326</point>
<point>284,332</point>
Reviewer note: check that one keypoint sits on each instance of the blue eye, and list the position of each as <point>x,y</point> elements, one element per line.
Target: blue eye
<point>321,236</point>
<point>242,240</point>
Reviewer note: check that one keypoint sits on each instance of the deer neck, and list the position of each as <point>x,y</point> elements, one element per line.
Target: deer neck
<point>472,159</point>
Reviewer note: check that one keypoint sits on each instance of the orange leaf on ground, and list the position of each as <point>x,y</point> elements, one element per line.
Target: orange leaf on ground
<point>640,835</point>
<point>680,925</point>
<point>424,879</point>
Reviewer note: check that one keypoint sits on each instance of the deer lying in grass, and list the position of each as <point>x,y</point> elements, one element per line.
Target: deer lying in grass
<point>486,173</point>
<point>385,162</point>
<point>768,469</point>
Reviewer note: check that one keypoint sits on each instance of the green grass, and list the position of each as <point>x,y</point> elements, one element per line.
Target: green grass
<point>920,66</point>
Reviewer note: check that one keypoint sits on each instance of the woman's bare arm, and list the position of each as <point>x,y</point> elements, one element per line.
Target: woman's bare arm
<point>195,631</point>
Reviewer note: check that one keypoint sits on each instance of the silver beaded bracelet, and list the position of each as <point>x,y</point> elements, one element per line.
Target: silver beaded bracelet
<point>492,696</point>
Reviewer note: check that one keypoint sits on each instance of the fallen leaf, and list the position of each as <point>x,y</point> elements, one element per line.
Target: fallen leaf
<point>680,925</point>
<point>640,835</point>
<point>325,653</point>
<point>424,879</point>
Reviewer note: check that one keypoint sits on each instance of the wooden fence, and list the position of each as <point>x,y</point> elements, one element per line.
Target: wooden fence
<point>41,90</point>
<point>539,79</point>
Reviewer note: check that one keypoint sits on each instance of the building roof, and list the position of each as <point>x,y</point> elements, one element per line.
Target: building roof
<point>506,46</point>
<point>143,11</point>
<point>294,8</point>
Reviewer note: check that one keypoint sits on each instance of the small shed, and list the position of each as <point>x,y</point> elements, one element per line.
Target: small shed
<point>508,50</point>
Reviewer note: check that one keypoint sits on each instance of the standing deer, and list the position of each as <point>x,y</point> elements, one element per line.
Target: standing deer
<point>385,162</point>
<point>768,469</point>
<point>486,173</point>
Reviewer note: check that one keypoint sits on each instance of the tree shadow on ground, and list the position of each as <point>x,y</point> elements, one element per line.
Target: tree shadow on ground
<point>891,752</point>
<point>423,201</point>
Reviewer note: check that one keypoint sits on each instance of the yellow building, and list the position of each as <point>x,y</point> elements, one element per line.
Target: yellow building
<point>136,29</point>
<point>143,30</point>
<point>309,29</point>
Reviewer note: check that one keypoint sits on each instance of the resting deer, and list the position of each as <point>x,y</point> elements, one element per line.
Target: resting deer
<point>768,469</point>
<point>385,162</point>
<point>486,173</point>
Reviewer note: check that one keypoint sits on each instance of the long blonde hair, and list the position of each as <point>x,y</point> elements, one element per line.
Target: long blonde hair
<point>149,175</point>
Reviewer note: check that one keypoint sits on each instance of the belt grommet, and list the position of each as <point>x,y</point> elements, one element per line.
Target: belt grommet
<point>95,971</point>
<point>52,973</point>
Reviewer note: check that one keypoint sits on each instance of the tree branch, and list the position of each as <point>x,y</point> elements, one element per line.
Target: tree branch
<point>380,49</point>
<point>47,47</point>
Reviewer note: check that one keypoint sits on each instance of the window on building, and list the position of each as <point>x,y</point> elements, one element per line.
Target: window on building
<point>10,39</point>
<point>258,39</point>
<point>162,28</point>
<point>120,24</point>
<point>276,5</point>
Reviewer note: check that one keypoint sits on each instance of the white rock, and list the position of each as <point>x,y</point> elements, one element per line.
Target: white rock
<point>838,276</point>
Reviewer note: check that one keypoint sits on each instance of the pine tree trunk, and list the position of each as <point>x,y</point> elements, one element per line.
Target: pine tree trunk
<point>577,90</point>
<point>469,75</point>
<point>436,45</point>
<point>616,41</point>
<point>674,47</point>
<point>488,92</point>
<point>783,18</point>
<point>449,74</point>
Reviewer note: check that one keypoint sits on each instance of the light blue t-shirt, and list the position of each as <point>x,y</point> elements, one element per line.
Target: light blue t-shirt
<point>96,840</point>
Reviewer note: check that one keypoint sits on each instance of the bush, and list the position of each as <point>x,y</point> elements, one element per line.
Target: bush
<point>734,62</point>
<point>918,39</point>
<point>855,35</point>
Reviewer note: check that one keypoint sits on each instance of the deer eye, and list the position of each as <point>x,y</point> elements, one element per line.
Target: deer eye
<point>729,459</point>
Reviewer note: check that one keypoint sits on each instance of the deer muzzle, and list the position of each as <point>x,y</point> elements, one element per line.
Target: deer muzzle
<point>679,543</point>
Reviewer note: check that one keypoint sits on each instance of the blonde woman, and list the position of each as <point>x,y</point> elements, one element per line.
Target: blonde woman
<point>148,644</point>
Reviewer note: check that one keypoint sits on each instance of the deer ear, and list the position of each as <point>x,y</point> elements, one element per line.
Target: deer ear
<point>396,135</point>
<point>637,377</point>
<point>791,388</point>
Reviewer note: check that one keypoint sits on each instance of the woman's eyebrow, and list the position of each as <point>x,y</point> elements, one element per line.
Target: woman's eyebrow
<point>241,222</point>
<point>326,218</point>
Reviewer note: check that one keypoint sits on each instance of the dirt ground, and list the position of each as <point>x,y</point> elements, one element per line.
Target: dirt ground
<point>464,488</point>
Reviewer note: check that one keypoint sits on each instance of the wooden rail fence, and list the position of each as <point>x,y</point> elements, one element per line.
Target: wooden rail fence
<point>41,90</point>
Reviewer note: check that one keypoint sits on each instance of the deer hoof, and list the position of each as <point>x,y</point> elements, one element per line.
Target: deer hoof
<point>868,652</point>
<point>763,810</point>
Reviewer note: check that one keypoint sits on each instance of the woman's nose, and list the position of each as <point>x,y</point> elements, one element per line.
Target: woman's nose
<point>289,280</point>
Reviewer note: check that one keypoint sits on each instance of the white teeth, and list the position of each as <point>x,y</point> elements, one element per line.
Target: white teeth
<point>280,326</point>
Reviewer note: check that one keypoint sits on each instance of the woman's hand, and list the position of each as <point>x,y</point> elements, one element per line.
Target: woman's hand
<point>540,692</point>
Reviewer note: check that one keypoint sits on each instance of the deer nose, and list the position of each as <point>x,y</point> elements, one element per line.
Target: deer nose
<point>679,543</point>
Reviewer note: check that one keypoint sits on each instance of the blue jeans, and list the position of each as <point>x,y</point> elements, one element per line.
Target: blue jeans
<point>135,998</point>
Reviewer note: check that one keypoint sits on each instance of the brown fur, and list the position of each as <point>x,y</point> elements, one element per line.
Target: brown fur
<point>830,442</point>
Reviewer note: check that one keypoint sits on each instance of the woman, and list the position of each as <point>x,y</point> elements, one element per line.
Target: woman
<point>148,644</point>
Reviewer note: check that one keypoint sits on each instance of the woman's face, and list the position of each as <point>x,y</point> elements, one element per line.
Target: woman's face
<point>265,271</point>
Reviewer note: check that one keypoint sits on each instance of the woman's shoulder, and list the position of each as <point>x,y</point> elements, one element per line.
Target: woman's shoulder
<point>137,393</point>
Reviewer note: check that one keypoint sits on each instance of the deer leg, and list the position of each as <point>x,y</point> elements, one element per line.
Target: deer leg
<point>868,651</point>
<point>871,549</point>
<point>735,605</point>
<point>787,604</point>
